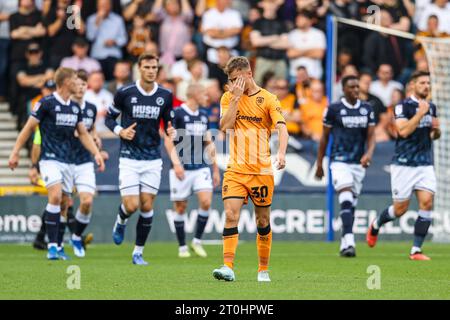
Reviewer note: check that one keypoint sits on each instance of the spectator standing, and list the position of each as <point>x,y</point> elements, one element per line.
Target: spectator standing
<point>139,35</point>
<point>307,47</point>
<point>301,86</point>
<point>381,48</point>
<point>62,29</point>
<point>26,26</point>
<point>365,82</point>
<point>31,77</point>
<point>122,73</point>
<point>221,27</point>
<point>311,112</point>
<point>216,70</point>
<point>107,31</point>
<point>432,31</point>
<point>7,7</point>
<point>196,69</point>
<point>384,86</point>
<point>174,31</point>
<point>270,38</point>
<point>80,59</point>
<point>139,8</point>
<point>213,108</point>
<point>439,8</point>
<point>179,70</point>
<point>288,105</point>
<point>101,98</point>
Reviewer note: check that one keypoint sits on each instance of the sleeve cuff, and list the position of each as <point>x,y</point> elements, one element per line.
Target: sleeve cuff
<point>117,130</point>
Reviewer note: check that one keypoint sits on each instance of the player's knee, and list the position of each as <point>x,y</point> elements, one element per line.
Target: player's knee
<point>262,222</point>
<point>55,199</point>
<point>205,204</point>
<point>426,204</point>
<point>180,207</point>
<point>232,216</point>
<point>131,207</point>
<point>400,209</point>
<point>147,206</point>
<point>86,204</point>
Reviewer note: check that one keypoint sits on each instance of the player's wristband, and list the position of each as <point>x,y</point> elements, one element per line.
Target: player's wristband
<point>117,130</point>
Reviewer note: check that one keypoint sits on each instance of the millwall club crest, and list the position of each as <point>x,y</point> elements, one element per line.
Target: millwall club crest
<point>159,101</point>
<point>90,113</point>
<point>259,101</point>
<point>363,111</point>
<point>75,110</point>
<point>204,119</point>
<point>186,118</point>
<point>343,112</point>
<point>57,109</point>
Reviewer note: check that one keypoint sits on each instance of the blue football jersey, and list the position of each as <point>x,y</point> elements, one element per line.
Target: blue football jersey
<point>349,125</point>
<point>80,153</point>
<point>57,123</point>
<point>191,128</point>
<point>147,110</point>
<point>416,149</point>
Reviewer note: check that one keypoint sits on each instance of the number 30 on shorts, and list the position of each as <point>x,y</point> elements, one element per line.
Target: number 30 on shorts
<point>260,192</point>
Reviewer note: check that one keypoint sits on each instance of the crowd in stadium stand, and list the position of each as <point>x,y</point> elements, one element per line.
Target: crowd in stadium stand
<point>284,40</point>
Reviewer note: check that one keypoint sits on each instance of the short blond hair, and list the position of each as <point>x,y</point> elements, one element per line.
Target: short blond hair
<point>236,63</point>
<point>62,74</point>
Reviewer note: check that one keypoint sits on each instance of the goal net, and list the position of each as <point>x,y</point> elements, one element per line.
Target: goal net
<point>438,56</point>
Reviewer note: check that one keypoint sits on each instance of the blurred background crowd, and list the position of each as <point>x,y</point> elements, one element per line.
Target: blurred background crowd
<point>284,40</point>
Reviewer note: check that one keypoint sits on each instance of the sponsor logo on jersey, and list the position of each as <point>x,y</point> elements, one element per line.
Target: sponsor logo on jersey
<point>355,121</point>
<point>196,129</point>
<point>426,121</point>
<point>66,119</point>
<point>133,100</point>
<point>146,112</point>
<point>247,118</point>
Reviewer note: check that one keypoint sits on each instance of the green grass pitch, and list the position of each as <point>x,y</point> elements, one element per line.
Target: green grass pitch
<point>299,270</point>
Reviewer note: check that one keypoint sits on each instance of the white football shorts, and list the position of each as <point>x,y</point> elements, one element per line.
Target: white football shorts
<point>136,176</point>
<point>194,181</point>
<point>84,177</point>
<point>346,175</point>
<point>53,172</point>
<point>405,180</point>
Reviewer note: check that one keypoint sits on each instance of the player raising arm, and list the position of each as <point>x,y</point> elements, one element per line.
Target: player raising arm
<point>412,166</point>
<point>248,113</point>
<point>58,118</point>
<point>141,106</point>
<point>352,123</point>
